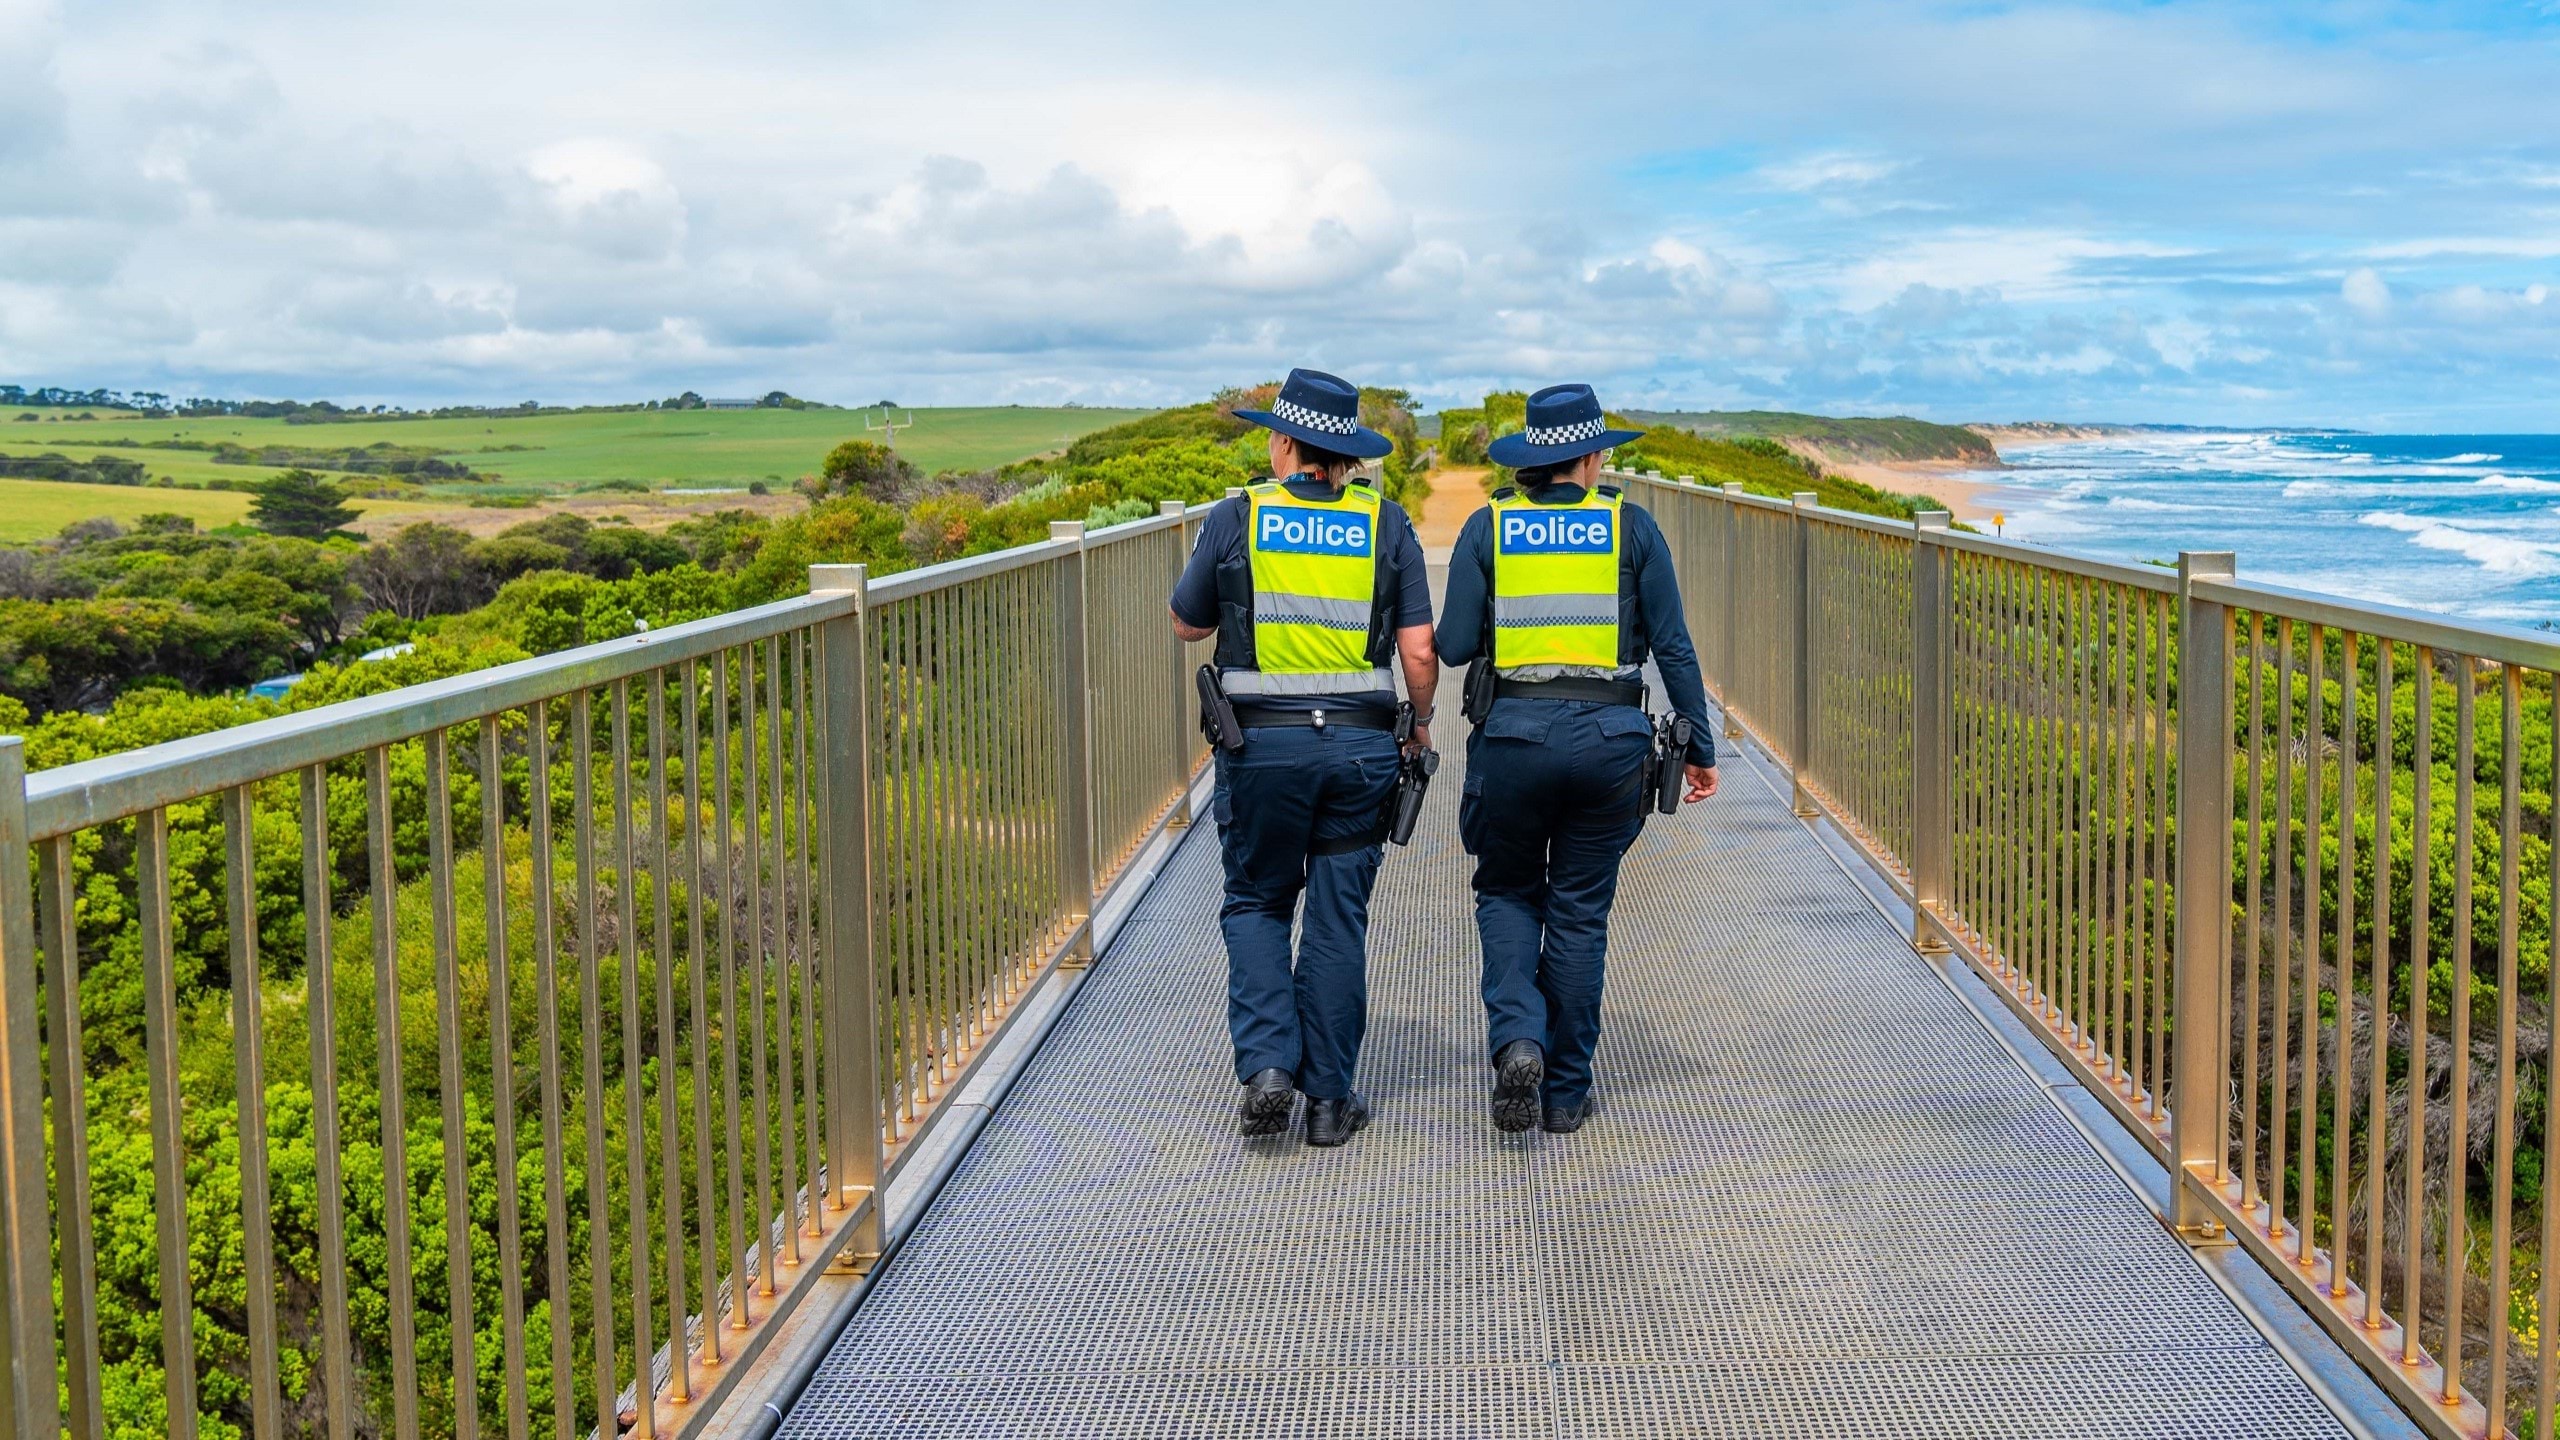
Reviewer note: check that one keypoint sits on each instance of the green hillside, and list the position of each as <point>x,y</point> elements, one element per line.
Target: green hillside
<point>544,452</point>
<point>1856,438</point>
<point>1761,469</point>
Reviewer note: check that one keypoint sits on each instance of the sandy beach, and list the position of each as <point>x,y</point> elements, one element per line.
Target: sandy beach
<point>1974,496</point>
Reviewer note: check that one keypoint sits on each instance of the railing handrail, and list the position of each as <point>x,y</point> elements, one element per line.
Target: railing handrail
<point>125,784</point>
<point>116,787</point>
<point>2148,577</point>
<point>2479,639</point>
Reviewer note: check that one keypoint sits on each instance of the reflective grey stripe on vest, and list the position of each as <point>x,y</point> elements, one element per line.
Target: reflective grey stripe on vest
<point>1527,610</point>
<point>1336,682</point>
<point>1278,607</point>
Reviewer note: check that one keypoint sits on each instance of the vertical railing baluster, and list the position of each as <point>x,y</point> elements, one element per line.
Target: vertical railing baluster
<point>249,1089</point>
<point>706,1218</point>
<point>2547,1335</point>
<point>57,891</point>
<point>320,1007</point>
<point>2422,869</point>
<point>635,1123</point>
<point>546,989</point>
<point>2342,1079</point>
<point>2282,883</point>
<point>741,1302</point>
<point>31,1406</point>
<point>457,1163</point>
<point>400,1284</point>
<point>785,1121</point>
<point>502,1071</point>
<point>2306,1210</point>
<point>2458,1000</point>
<point>2510,892</point>
<point>2378,1040</point>
<point>670,1145</point>
<point>582,816</point>
<point>2254,856</point>
<point>813,1085</point>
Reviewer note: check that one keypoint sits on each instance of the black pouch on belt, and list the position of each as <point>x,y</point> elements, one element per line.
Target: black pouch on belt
<point>1217,713</point>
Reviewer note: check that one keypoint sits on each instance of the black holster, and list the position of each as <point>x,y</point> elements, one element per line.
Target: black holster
<point>1404,803</point>
<point>1476,701</point>
<point>1217,714</point>
<point>1666,764</point>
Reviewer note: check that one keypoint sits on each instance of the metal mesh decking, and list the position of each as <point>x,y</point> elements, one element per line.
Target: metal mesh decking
<point>1818,1198</point>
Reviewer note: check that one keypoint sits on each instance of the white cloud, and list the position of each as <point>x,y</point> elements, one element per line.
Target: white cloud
<point>1827,170</point>
<point>2365,292</point>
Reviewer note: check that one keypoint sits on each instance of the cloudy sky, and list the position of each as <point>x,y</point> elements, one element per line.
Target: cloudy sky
<point>2218,213</point>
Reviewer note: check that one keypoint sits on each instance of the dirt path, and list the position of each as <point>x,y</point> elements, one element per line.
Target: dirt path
<point>1455,495</point>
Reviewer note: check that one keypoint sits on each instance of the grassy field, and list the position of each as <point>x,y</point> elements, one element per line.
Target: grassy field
<point>36,509</point>
<point>658,448</point>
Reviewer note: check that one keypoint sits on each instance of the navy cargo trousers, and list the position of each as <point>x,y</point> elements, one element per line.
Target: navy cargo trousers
<point>1292,793</point>
<point>1551,806</point>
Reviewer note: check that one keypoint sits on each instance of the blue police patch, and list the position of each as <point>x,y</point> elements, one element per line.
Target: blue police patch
<point>1560,532</point>
<point>1291,530</point>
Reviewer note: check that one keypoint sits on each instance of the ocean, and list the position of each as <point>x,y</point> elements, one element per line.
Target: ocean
<point>2457,524</point>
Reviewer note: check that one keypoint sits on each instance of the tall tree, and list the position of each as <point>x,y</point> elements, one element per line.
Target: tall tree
<point>302,504</point>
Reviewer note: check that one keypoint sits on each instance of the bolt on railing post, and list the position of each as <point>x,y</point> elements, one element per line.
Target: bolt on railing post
<point>1178,751</point>
<point>1932,757</point>
<point>31,1407</point>
<point>1729,624</point>
<point>1075,746</point>
<point>2202,962</point>
<point>1800,724</point>
<point>851,992</point>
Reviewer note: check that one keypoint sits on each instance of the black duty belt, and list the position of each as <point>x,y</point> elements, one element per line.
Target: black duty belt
<point>1572,687</point>
<point>1348,717</point>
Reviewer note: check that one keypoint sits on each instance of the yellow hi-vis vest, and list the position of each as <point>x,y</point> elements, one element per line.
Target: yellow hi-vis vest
<point>1555,585</point>
<point>1315,583</point>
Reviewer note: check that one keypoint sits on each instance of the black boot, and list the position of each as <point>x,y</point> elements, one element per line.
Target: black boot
<point>1566,1117</point>
<point>1330,1122</point>
<point>1263,1107</point>
<point>1518,1070</point>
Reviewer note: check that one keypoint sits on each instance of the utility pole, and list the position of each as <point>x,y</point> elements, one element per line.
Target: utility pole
<point>890,427</point>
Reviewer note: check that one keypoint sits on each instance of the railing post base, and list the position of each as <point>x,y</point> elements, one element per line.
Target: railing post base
<point>2191,1220</point>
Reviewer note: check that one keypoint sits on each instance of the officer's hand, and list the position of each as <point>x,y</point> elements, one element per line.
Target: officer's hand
<point>1421,740</point>
<point>1702,783</point>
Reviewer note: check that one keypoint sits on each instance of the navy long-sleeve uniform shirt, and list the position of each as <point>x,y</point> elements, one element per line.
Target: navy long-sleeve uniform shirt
<point>1651,611</point>
<point>1221,545</point>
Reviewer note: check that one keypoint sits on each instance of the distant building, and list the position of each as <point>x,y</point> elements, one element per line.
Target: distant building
<point>728,404</point>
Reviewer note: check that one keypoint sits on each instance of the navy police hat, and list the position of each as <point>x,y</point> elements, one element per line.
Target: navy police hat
<point>1323,410</point>
<point>1565,423</point>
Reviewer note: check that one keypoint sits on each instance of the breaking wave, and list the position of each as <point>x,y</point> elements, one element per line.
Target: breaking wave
<point>2498,554</point>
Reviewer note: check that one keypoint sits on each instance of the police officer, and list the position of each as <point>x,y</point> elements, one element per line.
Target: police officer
<point>1314,587</point>
<point>1564,587</point>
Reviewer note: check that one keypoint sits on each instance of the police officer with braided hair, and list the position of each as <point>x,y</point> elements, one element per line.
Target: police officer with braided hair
<point>1314,587</point>
<point>1564,588</point>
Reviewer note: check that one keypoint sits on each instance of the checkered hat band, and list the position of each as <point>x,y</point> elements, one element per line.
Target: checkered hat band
<point>1297,414</point>
<point>1564,434</point>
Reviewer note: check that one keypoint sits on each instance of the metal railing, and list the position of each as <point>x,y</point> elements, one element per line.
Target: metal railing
<point>2144,804</point>
<point>715,919</point>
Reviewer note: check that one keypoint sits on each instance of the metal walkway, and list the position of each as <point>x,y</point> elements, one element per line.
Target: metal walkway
<point>1820,1197</point>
